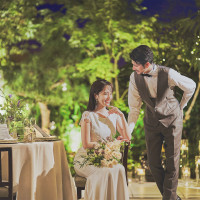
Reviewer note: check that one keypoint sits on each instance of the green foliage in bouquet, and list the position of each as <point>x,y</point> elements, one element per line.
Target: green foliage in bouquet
<point>94,157</point>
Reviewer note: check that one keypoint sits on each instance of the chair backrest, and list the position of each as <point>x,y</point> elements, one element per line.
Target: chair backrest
<point>125,157</point>
<point>9,182</point>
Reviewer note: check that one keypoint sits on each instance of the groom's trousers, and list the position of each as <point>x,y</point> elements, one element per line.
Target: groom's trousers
<point>155,134</point>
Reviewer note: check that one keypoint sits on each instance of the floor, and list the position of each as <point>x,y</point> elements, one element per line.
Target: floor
<point>187,189</point>
<point>148,190</point>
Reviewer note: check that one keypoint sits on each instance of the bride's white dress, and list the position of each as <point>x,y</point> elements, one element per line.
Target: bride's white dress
<point>102,183</point>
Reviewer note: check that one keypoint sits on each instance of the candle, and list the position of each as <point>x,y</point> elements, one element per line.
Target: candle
<point>184,145</point>
<point>186,171</point>
<point>140,171</point>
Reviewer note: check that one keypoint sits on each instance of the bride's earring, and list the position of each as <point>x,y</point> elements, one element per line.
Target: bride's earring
<point>96,101</point>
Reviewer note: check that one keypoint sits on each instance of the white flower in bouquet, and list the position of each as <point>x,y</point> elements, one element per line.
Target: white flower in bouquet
<point>110,164</point>
<point>114,162</point>
<point>105,153</point>
<point>110,145</point>
<point>97,146</point>
<point>118,144</point>
<point>104,163</point>
<point>117,155</point>
<point>108,150</point>
<point>108,156</point>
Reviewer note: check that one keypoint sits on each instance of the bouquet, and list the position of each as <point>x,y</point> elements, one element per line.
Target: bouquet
<point>106,153</point>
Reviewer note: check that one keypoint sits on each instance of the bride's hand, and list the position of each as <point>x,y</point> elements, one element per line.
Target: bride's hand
<point>115,110</point>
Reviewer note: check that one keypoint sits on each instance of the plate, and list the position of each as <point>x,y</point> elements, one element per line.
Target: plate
<point>41,139</point>
<point>8,141</point>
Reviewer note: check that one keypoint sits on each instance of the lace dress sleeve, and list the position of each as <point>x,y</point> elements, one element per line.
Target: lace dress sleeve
<point>85,118</point>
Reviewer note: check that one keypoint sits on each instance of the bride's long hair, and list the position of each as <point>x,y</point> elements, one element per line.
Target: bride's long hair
<point>96,87</point>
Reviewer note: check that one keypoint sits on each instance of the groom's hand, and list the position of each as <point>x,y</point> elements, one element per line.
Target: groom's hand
<point>122,139</point>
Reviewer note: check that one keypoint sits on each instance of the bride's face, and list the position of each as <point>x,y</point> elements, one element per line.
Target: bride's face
<point>105,96</point>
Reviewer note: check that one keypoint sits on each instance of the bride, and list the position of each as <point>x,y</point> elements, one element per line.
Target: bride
<point>96,123</point>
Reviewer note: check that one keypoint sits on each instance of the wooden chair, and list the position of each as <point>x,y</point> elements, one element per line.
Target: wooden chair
<point>81,181</point>
<point>125,158</point>
<point>6,187</point>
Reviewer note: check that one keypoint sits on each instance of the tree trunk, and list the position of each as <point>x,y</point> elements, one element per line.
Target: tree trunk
<point>116,80</point>
<point>187,114</point>
<point>117,88</point>
<point>45,116</point>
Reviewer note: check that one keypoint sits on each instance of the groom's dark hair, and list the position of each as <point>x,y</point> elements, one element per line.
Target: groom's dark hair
<point>142,54</point>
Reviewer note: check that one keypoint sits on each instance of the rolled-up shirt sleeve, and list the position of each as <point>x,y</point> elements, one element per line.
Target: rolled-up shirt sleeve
<point>134,101</point>
<point>184,83</point>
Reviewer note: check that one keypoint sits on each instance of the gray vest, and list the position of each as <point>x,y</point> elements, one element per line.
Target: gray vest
<point>165,108</point>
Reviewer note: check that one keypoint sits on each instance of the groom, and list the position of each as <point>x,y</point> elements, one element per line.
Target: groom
<point>163,121</point>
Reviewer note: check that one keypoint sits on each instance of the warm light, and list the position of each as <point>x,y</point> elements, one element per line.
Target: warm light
<point>197,160</point>
<point>140,171</point>
<point>192,52</point>
<point>184,147</point>
<point>163,148</point>
<point>186,171</point>
<point>199,145</point>
<point>186,175</point>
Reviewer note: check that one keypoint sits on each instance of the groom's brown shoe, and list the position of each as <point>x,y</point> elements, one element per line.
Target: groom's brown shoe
<point>178,198</point>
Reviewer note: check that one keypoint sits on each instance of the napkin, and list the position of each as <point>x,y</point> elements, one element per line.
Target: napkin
<point>39,131</point>
<point>4,133</point>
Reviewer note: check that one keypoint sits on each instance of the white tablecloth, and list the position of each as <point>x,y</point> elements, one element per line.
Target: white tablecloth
<point>41,171</point>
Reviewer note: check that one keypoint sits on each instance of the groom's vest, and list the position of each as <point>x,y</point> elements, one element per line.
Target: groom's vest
<point>165,107</point>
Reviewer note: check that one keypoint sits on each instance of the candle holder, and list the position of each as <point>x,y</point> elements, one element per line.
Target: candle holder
<point>184,145</point>
<point>197,163</point>
<point>29,135</point>
<point>141,174</point>
<point>184,153</point>
<point>199,145</point>
<point>186,175</point>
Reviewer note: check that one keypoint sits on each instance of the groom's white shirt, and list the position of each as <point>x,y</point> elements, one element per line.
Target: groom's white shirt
<point>174,79</point>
